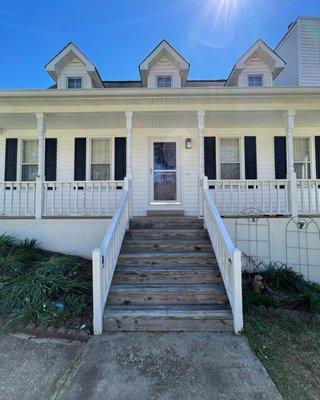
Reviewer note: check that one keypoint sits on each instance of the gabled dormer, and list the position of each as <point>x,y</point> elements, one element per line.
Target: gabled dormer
<point>71,69</point>
<point>164,67</point>
<point>259,66</point>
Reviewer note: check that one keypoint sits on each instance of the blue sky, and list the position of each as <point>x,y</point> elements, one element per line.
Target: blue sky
<point>117,34</point>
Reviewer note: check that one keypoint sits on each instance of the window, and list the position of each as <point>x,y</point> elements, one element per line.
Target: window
<point>255,80</point>
<point>229,158</point>
<point>301,152</point>
<point>74,83</point>
<point>29,160</point>
<point>164,81</point>
<point>100,159</point>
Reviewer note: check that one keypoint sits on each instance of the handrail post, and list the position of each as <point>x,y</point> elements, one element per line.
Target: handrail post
<point>97,292</point>
<point>237,291</point>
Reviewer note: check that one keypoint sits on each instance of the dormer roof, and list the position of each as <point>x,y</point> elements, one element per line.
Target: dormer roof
<point>66,55</point>
<point>164,48</point>
<point>265,53</point>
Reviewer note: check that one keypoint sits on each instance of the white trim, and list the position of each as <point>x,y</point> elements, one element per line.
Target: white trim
<point>88,158</point>
<point>241,155</point>
<point>164,203</point>
<point>256,74</point>
<point>163,76</point>
<point>67,77</point>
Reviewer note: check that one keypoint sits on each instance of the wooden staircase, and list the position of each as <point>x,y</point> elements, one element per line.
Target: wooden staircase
<point>167,279</point>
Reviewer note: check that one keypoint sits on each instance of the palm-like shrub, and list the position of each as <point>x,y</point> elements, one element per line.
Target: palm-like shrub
<point>31,284</point>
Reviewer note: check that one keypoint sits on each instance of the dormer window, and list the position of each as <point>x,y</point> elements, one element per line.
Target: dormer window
<point>255,80</point>
<point>74,82</point>
<point>164,81</point>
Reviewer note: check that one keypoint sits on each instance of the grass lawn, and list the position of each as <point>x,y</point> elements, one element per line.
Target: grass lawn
<point>289,348</point>
<point>282,325</point>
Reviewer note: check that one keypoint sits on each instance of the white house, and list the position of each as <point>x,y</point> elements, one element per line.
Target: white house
<point>87,150</point>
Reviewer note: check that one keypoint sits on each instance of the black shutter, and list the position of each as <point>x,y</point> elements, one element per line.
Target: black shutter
<point>80,159</point>
<point>317,147</point>
<point>10,172</point>
<point>50,167</point>
<point>280,157</point>
<point>120,158</point>
<point>210,157</point>
<point>250,155</point>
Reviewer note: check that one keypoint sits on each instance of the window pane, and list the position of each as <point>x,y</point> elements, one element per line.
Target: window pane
<point>30,152</point>
<point>164,81</point>
<point>165,186</point>
<point>255,80</point>
<point>302,170</point>
<point>29,172</point>
<point>100,172</point>
<point>74,83</point>
<point>229,150</point>
<point>164,155</point>
<point>100,151</point>
<point>301,149</point>
<point>230,171</point>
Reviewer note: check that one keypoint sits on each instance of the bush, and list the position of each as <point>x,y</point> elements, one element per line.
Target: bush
<point>40,289</point>
<point>284,288</point>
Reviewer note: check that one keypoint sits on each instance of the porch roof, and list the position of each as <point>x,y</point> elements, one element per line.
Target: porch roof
<point>156,100</point>
<point>161,119</point>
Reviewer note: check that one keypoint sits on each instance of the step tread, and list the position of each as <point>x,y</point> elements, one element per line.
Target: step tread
<point>165,241</point>
<point>166,268</point>
<point>176,312</point>
<point>162,254</point>
<point>166,288</point>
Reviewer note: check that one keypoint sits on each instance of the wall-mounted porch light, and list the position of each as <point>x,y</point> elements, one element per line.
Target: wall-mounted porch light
<point>188,143</point>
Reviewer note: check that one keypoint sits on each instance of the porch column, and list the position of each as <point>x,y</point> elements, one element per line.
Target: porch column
<point>41,130</point>
<point>129,115</point>
<point>291,175</point>
<point>201,115</point>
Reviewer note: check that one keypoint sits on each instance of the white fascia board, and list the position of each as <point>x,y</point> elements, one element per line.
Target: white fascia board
<point>53,68</point>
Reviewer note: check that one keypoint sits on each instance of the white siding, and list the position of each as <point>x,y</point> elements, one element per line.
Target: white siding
<point>300,49</point>
<point>288,51</point>
<point>310,52</point>
<point>254,65</point>
<point>164,66</point>
<point>74,68</point>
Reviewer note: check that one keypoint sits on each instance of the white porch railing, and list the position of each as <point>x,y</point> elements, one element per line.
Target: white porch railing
<point>104,259</point>
<point>308,193</point>
<point>81,198</point>
<point>17,198</point>
<point>233,196</point>
<point>228,256</point>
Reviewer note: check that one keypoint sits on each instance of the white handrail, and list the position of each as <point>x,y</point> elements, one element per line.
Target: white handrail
<point>227,255</point>
<point>104,258</point>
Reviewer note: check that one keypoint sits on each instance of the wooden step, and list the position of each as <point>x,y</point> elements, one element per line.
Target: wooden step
<point>165,213</point>
<point>167,319</point>
<point>167,258</point>
<point>171,233</point>
<point>166,275</point>
<point>138,245</point>
<point>165,222</point>
<point>167,294</point>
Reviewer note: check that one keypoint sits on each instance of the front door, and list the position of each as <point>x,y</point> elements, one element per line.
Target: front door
<point>164,176</point>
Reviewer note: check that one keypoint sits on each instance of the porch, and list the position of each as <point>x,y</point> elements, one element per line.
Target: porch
<point>181,120</point>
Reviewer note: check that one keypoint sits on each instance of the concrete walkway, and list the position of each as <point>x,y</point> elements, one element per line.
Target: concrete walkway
<point>137,366</point>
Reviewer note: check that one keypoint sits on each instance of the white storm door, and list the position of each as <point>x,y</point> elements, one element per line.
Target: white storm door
<point>164,173</point>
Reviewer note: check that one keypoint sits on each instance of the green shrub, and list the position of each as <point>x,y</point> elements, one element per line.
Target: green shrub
<point>31,283</point>
<point>283,287</point>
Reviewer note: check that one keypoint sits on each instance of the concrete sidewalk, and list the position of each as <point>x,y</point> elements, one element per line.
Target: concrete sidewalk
<point>30,368</point>
<point>169,366</point>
